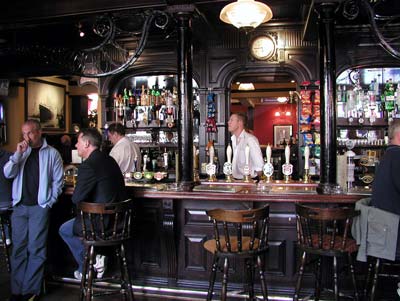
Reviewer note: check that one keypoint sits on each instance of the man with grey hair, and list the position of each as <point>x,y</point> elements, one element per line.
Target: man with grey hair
<point>386,186</point>
<point>37,172</point>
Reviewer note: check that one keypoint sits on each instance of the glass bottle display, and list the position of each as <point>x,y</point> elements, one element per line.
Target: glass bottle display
<point>147,106</point>
<point>367,100</point>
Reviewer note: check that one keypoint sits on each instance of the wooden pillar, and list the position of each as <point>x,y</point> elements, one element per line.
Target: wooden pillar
<point>327,74</point>
<point>183,14</point>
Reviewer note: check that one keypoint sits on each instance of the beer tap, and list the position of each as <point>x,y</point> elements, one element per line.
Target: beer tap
<point>287,168</point>
<point>306,164</point>
<point>228,164</point>
<point>246,168</point>
<point>211,168</point>
<point>268,167</point>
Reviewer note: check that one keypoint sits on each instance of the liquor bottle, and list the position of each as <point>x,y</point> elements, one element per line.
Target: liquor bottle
<point>138,97</point>
<point>132,99</point>
<point>397,93</point>
<point>175,95</point>
<point>397,100</point>
<point>115,107</point>
<point>389,98</point>
<point>340,103</point>
<point>344,94</point>
<point>157,101</point>
<point>143,98</point>
<point>120,109</point>
<point>338,94</point>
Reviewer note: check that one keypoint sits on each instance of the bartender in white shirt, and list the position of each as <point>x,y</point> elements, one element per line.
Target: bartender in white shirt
<point>125,152</point>
<point>240,139</point>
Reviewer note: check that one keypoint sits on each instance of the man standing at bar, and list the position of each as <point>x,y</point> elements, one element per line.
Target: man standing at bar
<point>37,170</point>
<point>99,181</point>
<point>386,186</point>
<point>240,139</point>
<point>125,152</point>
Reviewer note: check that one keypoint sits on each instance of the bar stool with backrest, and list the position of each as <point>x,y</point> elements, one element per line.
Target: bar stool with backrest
<point>5,214</point>
<point>323,232</point>
<point>238,234</point>
<point>106,226</point>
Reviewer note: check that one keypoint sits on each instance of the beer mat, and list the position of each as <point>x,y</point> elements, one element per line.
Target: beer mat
<point>360,191</point>
<point>292,190</point>
<point>217,188</point>
<point>157,187</point>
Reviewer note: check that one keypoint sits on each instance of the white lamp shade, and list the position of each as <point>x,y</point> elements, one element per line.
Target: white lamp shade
<point>246,13</point>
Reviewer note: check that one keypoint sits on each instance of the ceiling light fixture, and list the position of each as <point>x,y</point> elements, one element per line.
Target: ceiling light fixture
<point>246,14</point>
<point>246,87</point>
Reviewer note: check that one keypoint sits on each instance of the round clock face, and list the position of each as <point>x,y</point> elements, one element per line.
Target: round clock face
<point>263,47</point>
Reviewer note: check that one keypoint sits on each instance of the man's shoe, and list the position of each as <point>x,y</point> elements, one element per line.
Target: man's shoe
<point>29,297</point>
<point>78,275</point>
<point>100,265</point>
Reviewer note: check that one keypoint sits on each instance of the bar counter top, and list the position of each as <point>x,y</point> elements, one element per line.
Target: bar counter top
<point>249,195</point>
<point>221,191</point>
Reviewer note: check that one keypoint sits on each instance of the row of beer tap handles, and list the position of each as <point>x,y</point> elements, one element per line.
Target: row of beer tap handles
<point>268,168</point>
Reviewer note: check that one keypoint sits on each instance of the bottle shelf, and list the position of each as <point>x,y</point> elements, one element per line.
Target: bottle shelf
<point>150,128</point>
<point>362,146</point>
<point>344,122</point>
<point>156,145</point>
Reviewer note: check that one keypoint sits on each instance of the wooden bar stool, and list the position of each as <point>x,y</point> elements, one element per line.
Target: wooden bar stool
<point>377,268</point>
<point>238,234</point>
<point>5,214</point>
<point>109,226</point>
<point>323,232</point>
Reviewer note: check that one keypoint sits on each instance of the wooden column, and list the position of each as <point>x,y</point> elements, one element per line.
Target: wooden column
<point>327,74</point>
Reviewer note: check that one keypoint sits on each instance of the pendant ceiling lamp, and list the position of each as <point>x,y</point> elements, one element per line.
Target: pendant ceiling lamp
<point>246,13</point>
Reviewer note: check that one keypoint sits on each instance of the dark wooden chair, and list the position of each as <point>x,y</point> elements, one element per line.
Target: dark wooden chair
<point>380,268</point>
<point>105,226</point>
<point>238,234</point>
<point>323,232</point>
<point>5,214</point>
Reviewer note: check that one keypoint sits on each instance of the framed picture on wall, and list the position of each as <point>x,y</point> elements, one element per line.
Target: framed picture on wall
<point>45,102</point>
<point>282,132</point>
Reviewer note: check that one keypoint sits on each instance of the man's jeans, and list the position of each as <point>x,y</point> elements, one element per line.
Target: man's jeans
<point>73,241</point>
<point>30,225</point>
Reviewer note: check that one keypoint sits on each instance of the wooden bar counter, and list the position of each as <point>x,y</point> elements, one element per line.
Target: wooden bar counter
<point>171,227</point>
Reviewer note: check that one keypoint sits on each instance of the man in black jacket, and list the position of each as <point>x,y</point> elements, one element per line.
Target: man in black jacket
<point>99,181</point>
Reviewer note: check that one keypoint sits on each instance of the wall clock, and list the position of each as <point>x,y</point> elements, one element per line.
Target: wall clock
<point>262,47</point>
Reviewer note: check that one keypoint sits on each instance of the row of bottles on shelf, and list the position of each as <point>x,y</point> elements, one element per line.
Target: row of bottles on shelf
<point>358,104</point>
<point>146,105</point>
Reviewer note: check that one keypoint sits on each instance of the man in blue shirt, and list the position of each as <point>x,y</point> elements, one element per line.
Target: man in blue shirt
<point>37,170</point>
